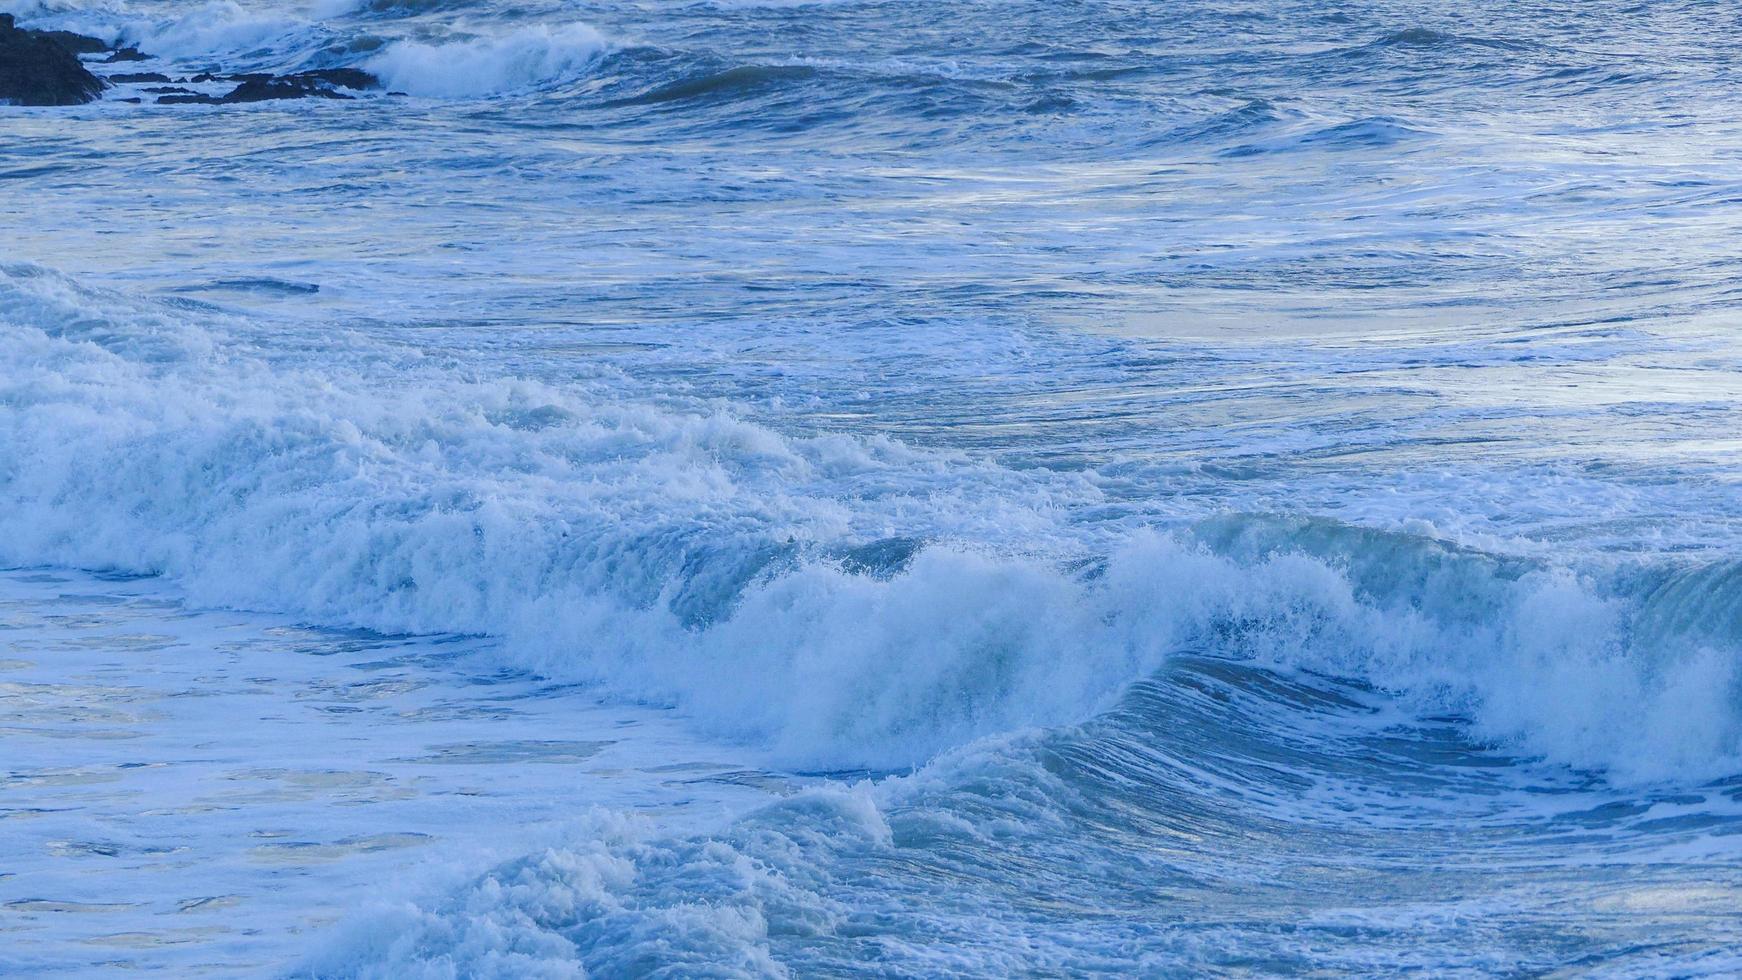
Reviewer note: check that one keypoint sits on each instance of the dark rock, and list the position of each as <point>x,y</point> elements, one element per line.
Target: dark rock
<point>195,99</point>
<point>274,89</point>
<point>76,43</point>
<point>126,54</point>
<point>321,84</point>
<point>135,77</point>
<point>169,90</point>
<point>36,70</point>
<point>351,78</point>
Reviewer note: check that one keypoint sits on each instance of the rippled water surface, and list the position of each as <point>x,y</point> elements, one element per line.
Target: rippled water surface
<point>1134,487</point>
<point>206,793</point>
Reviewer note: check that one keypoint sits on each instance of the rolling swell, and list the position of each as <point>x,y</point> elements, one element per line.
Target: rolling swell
<point>724,84</point>
<point>659,552</point>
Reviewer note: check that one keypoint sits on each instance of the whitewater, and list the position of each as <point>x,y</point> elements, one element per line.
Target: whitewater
<point>876,487</point>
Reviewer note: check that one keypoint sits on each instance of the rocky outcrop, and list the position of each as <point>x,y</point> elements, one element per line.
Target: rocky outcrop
<point>76,43</point>
<point>43,67</point>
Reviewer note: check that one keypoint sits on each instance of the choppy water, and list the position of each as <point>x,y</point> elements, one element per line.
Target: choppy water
<point>1158,487</point>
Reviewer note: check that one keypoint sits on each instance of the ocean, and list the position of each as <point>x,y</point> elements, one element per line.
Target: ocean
<point>902,488</point>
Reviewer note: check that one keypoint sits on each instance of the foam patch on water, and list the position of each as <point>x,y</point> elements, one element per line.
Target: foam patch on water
<point>618,902</point>
<point>199,790</point>
<point>529,57</point>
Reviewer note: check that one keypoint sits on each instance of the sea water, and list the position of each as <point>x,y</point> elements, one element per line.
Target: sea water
<point>895,487</point>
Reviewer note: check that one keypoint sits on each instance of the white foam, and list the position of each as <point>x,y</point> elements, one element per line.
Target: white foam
<point>682,557</point>
<point>528,57</point>
<point>213,28</point>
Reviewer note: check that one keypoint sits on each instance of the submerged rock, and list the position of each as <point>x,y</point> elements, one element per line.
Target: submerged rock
<point>352,78</point>
<point>270,89</point>
<point>323,84</point>
<point>38,68</point>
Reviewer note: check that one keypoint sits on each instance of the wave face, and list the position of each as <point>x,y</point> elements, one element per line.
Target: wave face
<point>1194,490</point>
<point>1172,834</point>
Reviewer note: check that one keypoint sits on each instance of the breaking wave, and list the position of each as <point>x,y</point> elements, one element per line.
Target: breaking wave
<point>816,596</point>
<point>529,57</point>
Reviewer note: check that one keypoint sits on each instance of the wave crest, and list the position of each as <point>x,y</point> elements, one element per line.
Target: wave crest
<point>776,587</point>
<point>530,57</point>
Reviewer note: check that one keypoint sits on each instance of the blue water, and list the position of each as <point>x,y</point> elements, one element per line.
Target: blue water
<point>1161,488</point>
